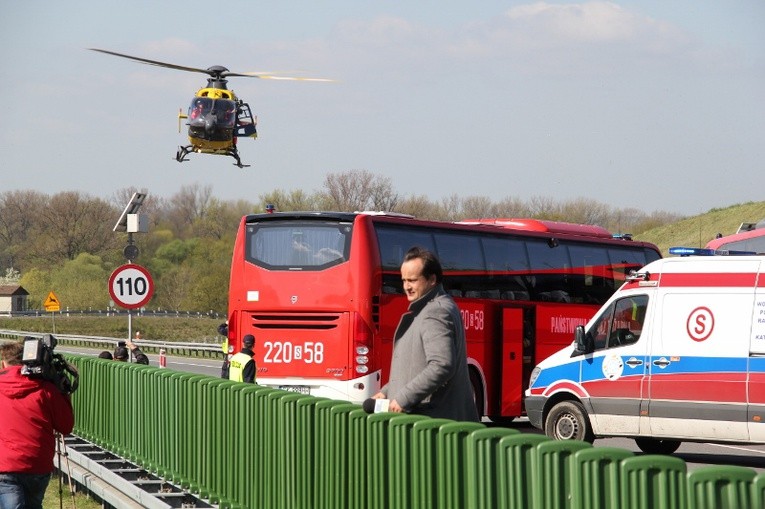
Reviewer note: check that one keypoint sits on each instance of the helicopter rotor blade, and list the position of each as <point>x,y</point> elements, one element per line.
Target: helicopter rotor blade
<point>214,71</point>
<point>273,77</point>
<point>153,62</point>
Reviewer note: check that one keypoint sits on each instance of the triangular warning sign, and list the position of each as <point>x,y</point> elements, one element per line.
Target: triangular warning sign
<point>52,303</point>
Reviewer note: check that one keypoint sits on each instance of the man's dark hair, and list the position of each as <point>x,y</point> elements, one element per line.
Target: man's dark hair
<point>12,352</point>
<point>248,341</point>
<point>430,264</point>
<point>105,355</point>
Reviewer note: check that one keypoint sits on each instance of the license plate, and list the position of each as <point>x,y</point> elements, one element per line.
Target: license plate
<point>302,389</point>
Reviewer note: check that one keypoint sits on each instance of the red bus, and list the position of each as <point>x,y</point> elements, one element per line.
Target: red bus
<point>322,294</point>
<point>750,237</point>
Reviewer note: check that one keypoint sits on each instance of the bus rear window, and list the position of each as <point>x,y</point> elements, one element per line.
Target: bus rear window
<point>298,245</point>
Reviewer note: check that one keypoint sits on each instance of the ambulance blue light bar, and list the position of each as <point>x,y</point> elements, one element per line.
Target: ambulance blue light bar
<point>702,251</point>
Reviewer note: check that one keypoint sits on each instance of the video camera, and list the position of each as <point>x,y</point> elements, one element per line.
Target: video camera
<point>38,360</point>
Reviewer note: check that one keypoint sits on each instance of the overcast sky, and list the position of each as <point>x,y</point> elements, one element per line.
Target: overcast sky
<point>651,104</point>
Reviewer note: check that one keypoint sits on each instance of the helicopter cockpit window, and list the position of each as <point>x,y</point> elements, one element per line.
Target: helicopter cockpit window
<point>200,107</point>
<point>225,111</point>
<point>204,108</point>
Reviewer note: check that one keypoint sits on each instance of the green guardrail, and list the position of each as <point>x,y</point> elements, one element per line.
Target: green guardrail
<point>244,446</point>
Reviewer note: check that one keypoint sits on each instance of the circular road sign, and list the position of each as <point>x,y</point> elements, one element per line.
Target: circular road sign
<point>131,286</point>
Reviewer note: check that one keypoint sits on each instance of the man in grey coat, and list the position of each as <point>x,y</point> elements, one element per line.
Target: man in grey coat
<point>429,373</point>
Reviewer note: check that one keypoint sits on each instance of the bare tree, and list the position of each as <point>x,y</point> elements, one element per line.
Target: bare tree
<point>418,206</point>
<point>359,190</point>
<point>584,211</point>
<point>476,207</point>
<point>624,220</point>
<point>450,208</point>
<point>641,222</point>
<point>289,201</point>
<point>152,206</point>
<point>72,223</point>
<point>382,195</point>
<point>188,205</point>
<point>512,207</point>
<point>18,210</point>
<point>220,221</point>
<point>542,207</point>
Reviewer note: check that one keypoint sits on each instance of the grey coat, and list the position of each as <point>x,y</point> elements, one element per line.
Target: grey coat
<point>428,373</point>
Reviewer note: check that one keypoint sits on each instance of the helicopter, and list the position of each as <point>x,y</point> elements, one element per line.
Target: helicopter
<point>216,116</point>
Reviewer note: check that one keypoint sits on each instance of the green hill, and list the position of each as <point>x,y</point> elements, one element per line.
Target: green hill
<point>696,231</point>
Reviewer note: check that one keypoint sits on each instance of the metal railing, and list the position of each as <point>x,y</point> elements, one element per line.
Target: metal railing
<point>189,349</point>
<point>117,312</point>
<point>244,446</point>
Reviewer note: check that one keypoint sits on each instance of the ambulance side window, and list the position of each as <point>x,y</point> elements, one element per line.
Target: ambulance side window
<point>620,324</point>
<point>627,324</point>
<point>599,330</point>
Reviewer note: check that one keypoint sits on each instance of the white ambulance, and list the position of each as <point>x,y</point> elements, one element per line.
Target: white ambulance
<point>677,354</point>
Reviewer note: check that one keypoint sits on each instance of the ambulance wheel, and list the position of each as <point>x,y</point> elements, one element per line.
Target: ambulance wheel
<point>657,445</point>
<point>567,420</point>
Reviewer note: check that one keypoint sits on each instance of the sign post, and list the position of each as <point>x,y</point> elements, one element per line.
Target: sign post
<point>52,304</point>
<point>131,287</point>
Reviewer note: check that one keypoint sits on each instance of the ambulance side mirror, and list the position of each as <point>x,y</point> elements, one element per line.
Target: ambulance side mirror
<point>582,341</point>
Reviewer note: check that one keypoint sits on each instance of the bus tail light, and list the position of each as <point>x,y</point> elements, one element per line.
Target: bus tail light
<point>362,335</point>
<point>362,359</point>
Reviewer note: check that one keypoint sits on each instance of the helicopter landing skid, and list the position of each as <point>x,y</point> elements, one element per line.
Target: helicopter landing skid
<point>180,156</point>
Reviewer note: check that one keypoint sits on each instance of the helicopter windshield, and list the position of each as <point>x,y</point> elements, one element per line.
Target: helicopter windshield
<point>221,112</point>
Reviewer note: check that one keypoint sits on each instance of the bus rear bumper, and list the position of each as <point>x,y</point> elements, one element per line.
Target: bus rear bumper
<point>356,390</point>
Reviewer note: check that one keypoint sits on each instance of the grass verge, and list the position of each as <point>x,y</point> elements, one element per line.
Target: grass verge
<point>60,496</point>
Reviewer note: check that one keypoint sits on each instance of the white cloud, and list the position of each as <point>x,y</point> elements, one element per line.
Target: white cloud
<point>587,22</point>
<point>539,37</point>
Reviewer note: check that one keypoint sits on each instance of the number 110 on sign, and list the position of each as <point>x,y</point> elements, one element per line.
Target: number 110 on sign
<point>131,286</point>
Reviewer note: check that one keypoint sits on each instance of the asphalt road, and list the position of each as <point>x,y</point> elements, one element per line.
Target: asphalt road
<point>192,365</point>
<point>696,455</point>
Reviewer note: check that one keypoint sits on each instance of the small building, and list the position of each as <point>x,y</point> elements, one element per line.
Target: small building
<point>13,299</point>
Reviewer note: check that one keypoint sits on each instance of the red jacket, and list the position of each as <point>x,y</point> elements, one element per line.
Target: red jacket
<point>30,410</point>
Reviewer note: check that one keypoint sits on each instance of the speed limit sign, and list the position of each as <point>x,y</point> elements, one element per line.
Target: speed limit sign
<point>131,286</point>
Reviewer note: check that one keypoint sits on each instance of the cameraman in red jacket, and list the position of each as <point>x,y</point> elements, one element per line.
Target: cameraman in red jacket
<point>31,411</point>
